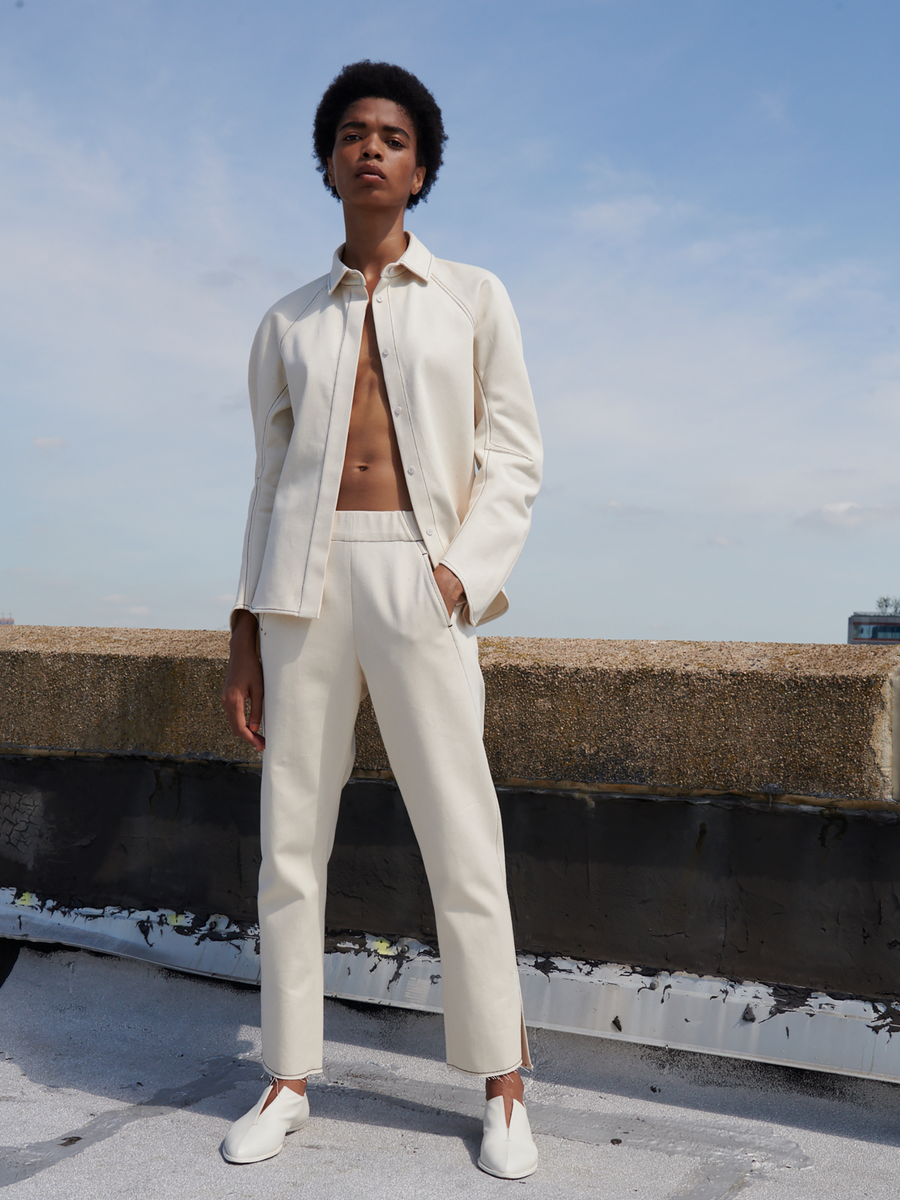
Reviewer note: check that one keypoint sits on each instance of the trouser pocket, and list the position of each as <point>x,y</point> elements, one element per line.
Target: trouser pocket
<point>446,617</point>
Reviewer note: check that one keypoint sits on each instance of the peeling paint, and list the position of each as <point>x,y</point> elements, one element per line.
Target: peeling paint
<point>205,946</point>
<point>789,999</point>
<point>682,1011</point>
<point>888,1019</point>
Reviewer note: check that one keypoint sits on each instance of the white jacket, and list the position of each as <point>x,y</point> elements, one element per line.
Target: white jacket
<point>463,414</point>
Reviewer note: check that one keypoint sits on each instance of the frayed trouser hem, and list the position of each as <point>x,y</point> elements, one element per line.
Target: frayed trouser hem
<point>291,1078</point>
<point>519,1066</point>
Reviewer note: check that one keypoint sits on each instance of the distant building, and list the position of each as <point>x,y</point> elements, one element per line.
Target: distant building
<point>867,629</point>
<point>7,621</point>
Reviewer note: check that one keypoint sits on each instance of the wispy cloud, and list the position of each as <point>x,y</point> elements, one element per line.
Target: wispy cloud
<point>846,516</point>
<point>731,378</point>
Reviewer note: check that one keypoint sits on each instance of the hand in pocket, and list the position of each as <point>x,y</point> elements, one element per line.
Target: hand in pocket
<point>449,586</point>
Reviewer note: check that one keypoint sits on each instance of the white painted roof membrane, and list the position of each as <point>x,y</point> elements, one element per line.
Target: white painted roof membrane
<point>120,1078</point>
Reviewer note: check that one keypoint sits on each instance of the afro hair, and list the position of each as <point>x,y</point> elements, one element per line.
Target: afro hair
<point>382,81</point>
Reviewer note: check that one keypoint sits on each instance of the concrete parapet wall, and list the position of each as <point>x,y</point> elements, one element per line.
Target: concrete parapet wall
<point>696,809</point>
<point>670,717</point>
<point>151,692</point>
<point>739,717</point>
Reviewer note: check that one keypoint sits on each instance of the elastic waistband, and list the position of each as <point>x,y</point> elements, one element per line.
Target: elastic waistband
<point>364,526</point>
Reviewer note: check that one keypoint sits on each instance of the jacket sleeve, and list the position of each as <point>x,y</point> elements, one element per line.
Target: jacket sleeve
<point>508,459</point>
<point>273,424</point>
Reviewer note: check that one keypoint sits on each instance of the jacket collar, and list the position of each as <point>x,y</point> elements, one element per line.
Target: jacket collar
<point>416,259</point>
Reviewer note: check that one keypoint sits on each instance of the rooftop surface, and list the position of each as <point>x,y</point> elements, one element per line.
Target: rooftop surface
<point>120,1079</point>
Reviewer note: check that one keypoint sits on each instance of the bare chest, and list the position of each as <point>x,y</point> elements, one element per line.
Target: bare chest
<point>373,472</point>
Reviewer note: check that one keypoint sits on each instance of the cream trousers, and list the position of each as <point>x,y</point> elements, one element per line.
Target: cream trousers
<point>384,629</point>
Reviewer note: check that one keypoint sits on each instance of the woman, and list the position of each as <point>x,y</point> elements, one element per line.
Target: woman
<point>398,456</point>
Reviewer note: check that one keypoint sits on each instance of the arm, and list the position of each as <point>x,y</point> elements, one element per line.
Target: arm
<point>508,455</point>
<point>273,424</point>
<point>244,681</point>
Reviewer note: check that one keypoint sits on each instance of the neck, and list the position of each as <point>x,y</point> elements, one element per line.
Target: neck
<point>373,239</point>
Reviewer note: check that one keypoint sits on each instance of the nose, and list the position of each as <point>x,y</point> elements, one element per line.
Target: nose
<point>371,150</point>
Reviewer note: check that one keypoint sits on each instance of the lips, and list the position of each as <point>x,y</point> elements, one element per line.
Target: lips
<point>370,169</point>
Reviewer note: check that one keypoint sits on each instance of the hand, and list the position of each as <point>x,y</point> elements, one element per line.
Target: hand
<point>243,681</point>
<point>450,587</point>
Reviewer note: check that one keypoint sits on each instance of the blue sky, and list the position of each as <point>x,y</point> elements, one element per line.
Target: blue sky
<point>693,204</point>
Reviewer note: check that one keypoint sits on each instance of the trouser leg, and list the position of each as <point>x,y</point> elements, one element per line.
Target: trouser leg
<point>426,687</point>
<point>313,687</point>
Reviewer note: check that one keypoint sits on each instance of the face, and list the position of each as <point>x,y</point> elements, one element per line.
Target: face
<point>373,163</point>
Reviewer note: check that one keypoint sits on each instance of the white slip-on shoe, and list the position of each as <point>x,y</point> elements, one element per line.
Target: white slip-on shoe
<point>258,1135</point>
<point>509,1151</point>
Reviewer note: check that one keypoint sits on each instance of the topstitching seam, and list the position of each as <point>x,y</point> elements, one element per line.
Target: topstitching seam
<point>262,470</point>
<point>302,313</point>
<point>453,296</point>
<point>410,425</point>
<point>324,457</point>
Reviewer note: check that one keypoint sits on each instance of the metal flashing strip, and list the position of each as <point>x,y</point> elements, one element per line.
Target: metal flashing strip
<point>216,947</point>
<point>783,1025</point>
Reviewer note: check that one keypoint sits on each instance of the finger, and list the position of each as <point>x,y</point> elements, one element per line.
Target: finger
<point>233,704</point>
<point>248,732</point>
<point>255,718</point>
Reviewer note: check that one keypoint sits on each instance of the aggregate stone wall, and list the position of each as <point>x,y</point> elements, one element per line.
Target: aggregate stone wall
<point>747,718</point>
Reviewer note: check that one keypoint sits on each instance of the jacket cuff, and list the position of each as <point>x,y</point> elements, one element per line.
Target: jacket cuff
<point>238,608</point>
<point>478,609</point>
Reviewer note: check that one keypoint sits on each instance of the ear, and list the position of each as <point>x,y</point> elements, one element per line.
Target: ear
<point>418,180</point>
<point>330,165</point>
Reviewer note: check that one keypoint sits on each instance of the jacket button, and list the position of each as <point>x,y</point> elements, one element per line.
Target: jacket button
<point>378,299</point>
<point>429,533</point>
<point>385,353</point>
<point>397,411</point>
<point>410,470</point>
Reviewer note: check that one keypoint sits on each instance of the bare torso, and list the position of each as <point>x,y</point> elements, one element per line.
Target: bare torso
<point>372,478</point>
